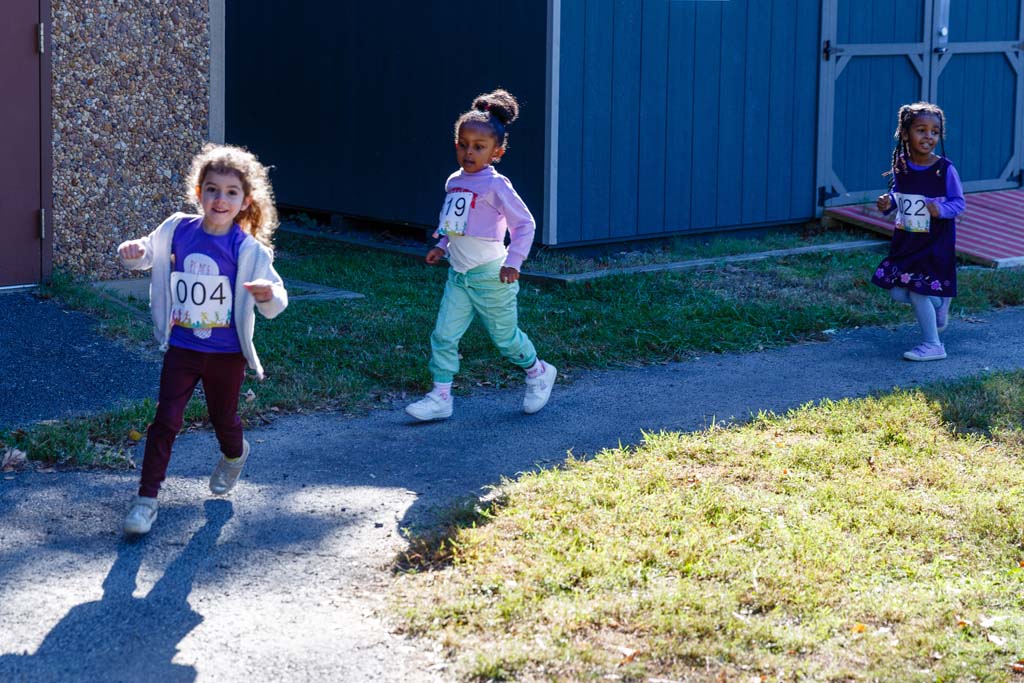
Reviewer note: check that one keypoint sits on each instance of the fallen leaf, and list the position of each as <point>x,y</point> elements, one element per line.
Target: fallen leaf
<point>1017,667</point>
<point>250,396</point>
<point>996,640</point>
<point>12,459</point>
<point>858,628</point>
<point>135,435</point>
<point>628,655</point>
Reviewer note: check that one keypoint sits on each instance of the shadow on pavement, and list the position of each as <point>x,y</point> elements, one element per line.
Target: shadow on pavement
<point>121,637</point>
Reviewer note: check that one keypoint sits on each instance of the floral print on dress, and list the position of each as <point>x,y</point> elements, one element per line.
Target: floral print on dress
<point>889,275</point>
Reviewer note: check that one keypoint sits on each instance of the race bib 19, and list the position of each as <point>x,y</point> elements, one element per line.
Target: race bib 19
<point>912,212</point>
<point>455,213</point>
<point>200,301</point>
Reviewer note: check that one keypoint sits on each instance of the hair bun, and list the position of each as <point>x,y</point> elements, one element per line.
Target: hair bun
<point>500,104</point>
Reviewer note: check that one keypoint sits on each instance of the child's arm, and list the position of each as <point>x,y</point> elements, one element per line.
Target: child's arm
<point>953,204</point>
<point>137,254</point>
<point>885,203</point>
<point>521,226</point>
<point>268,291</point>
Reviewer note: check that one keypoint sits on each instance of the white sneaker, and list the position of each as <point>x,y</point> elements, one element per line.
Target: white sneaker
<point>538,389</point>
<point>225,474</point>
<point>431,407</point>
<point>141,516</point>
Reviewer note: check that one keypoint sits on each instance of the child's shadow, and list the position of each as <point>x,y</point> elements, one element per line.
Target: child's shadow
<point>121,637</point>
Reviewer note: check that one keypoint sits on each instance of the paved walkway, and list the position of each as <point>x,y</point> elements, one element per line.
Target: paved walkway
<point>287,579</point>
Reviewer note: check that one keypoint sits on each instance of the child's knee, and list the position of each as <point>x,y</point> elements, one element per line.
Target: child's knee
<point>900,295</point>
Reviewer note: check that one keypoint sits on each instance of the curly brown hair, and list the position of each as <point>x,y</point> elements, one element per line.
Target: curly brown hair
<point>260,218</point>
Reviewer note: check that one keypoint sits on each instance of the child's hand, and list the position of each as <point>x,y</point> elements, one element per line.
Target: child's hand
<point>933,209</point>
<point>261,290</point>
<point>435,255</point>
<point>884,203</point>
<point>130,251</point>
<point>509,274</point>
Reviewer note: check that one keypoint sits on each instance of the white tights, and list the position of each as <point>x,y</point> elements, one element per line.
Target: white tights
<point>924,309</point>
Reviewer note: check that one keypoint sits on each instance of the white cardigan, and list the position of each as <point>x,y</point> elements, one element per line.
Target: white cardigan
<point>255,262</point>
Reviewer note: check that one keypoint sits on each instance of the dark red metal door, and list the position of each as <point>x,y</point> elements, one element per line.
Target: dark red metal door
<point>21,143</point>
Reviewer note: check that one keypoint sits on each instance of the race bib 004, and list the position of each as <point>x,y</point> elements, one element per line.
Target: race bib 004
<point>455,213</point>
<point>912,212</point>
<point>200,301</point>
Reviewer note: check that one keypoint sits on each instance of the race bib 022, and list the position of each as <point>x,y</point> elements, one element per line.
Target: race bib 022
<point>912,212</point>
<point>200,301</point>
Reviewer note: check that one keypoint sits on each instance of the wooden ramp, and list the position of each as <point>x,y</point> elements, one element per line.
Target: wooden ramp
<point>990,231</point>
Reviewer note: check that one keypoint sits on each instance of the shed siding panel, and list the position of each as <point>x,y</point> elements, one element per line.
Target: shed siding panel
<point>571,177</point>
<point>806,55</point>
<point>730,186</point>
<point>983,20</point>
<point>695,116</point>
<point>980,137</point>
<point>652,143</point>
<point>681,162</point>
<point>597,111</point>
<point>706,115</point>
<point>626,42</point>
<point>756,133</point>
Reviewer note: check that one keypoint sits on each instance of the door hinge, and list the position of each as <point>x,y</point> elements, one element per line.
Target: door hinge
<point>42,38</point>
<point>828,49</point>
<point>825,194</point>
<point>42,224</point>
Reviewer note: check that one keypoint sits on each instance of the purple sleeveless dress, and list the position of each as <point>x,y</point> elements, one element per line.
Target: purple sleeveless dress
<point>922,262</point>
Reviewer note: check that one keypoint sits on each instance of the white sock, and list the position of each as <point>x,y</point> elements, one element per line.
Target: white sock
<point>536,370</point>
<point>443,390</point>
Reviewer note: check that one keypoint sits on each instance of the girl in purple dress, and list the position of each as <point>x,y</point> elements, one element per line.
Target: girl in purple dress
<point>926,195</point>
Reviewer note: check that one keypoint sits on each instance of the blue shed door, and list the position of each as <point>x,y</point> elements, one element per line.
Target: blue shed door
<point>879,54</point>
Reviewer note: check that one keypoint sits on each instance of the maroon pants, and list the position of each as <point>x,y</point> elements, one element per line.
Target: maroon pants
<point>222,375</point>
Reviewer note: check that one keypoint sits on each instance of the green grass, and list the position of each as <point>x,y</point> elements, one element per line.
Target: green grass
<point>861,540</point>
<point>350,355</point>
<point>687,248</point>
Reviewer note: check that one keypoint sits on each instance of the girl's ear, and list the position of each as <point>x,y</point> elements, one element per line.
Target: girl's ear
<point>199,193</point>
<point>246,203</point>
<point>498,153</point>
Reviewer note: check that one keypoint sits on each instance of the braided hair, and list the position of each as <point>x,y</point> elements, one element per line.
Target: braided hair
<point>495,110</point>
<point>909,113</point>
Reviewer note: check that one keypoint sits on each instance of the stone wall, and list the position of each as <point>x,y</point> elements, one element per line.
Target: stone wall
<point>130,109</point>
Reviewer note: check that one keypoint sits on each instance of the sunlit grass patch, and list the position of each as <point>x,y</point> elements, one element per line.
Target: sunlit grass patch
<point>857,540</point>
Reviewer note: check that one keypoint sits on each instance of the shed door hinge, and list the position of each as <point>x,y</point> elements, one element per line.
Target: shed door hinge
<point>42,38</point>
<point>825,194</point>
<point>828,49</point>
<point>42,224</point>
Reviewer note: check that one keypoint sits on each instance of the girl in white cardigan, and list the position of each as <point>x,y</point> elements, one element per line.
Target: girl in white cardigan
<point>209,272</point>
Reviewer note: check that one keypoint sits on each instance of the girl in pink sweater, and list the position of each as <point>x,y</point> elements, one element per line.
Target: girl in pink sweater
<point>480,207</point>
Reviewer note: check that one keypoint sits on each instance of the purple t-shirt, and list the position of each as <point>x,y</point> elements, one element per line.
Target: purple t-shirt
<point>203,287</point>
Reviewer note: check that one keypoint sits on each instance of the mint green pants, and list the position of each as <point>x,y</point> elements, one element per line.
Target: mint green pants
<point>479,291</point>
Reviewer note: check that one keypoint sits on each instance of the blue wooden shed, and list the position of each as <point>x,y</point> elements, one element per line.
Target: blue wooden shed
<point>640,118</point>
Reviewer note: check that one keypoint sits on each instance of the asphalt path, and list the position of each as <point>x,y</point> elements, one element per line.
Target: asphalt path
<point>288,578</point>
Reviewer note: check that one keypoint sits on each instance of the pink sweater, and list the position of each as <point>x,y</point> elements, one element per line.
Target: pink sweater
<point>496,208</point>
